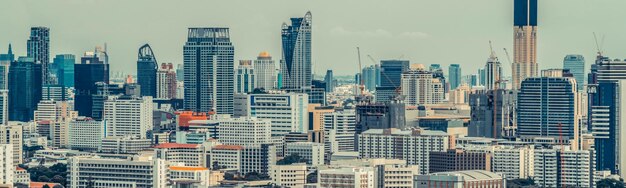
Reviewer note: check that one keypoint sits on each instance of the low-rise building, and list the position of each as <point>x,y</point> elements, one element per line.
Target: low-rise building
<point>362,177</point>
<point>312,152</point>
<point>138,172</point>
<point>21,176</point>
<point>293,175</point>
<point>181,154</point>
<point>458,160</point>
<point>197,176</point>
<point>130,144</point>
<point>460,179</point>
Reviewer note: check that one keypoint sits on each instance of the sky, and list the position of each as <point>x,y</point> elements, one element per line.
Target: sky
<point>422,31</point>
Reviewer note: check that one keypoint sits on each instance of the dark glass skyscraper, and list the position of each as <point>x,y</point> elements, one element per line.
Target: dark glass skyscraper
<point>90,71</point>
<point>330,81</point>
<point>24,88</point>
<point>38,48</point>
<point>147,67</point>
<point>208,57</point>
<point>391,72</point>
<point>63,67</point>
<point>295,67</point>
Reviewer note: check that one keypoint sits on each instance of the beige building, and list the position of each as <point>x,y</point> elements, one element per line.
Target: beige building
<point>13,134</point>
<point>194,175</point>
<point>362,177</point>
<point>524,53</point>
<point>293,175</point>
<point>317,112</point>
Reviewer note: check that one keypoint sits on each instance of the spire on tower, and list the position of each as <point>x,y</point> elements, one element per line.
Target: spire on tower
<point>10,50</point>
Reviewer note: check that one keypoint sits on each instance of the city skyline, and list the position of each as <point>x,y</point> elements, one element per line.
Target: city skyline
<point>335,35</point>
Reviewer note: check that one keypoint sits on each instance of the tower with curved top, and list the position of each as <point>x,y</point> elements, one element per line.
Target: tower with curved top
<point>295,67</point>
<point>147,71</point>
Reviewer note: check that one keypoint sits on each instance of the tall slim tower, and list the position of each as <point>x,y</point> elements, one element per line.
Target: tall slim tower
<point>208,59</point>
<point>38,47</point>
<point>265,71</point>
<point>525,41</point>
<point>493,71</point>
<point>24,88</point>
<point>147,71</point>
<point>295,67</point>
<point>454,72</point>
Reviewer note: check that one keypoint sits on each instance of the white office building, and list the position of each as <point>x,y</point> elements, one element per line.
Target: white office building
<point>564,168</point>
<point>245,131</point>
<point>86,134</point>
<point>57,111</point>
<point>312,152</point>
<point>265,70</point>
<point>340,129</point>
<point>130,144</point>
<point>128,116</point>
<point>13,134</point>
<point>286,111</point>
<point>513,162</point>
<point>414,146</point>
<point>138,172</point>
<point>181,154</point>
<point>293,175</point>
<point>4,106</point>
<point>362,177</point>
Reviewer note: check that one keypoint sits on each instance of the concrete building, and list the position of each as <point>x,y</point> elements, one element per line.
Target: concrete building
<point>380,116</point>
<point>525,41</point>
<point>343,124</point>
<point>484,112</point>
<point>197,176</point>
<point>420,87</point>
<point>245,77</point>
<point>96,172</point>
<point>388,143</point>
<point>7,170</point>
<point>209,74</point>
<point>458,160</point>
<point>286,111</point>
<point>13,135</point>
<point>86,134</point>
<point>127,115</point>
<point>166,82</point>
<point>293,175</point>
<point>493,73</point>
<point>245,131</point>
<point>4,106</point>
<point>226,157</point>
<point>563,168</point>
<point>312,152</point>
<point>57,111</point>
<point>460,95</point>
<point>259,158</point>
<point>388,173</point>
<point>460,179</point>
<point>346,177</point>
<point>21,176</point>
<point>181,154</point>
<point>265,70</point>
<point>514,162</point>
<point>316,115</point>
<point>130,144</point>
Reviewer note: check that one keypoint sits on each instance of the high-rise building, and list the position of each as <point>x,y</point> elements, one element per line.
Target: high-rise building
<point>58,111</point>
<point>295,67</point>
<point>454,72</point>
<point>420,87</point>
<point>437,72</point>
<point>86,134</point>
<point>245,77</point>
<point>245,131</point>
<point>330,81</point>
<point>524,41</point>
<point>493,73</point>
<point>341,124</point>
<point>380,116</point>
<point>482,76</point>
<point>38,48</point>
<point>287,111</point>
<point>484,112</point>
<point>391,72</point>
<point>564,167</point>
<point>126,115</point>
<point>391,144</point>
<point>548,107</point>
<point>13,134</point>
<point>371,77</point>
<point>63,68</point>
<point>8,57</point>
<point>576,65</point>
<point>4,107</point>
<point>265,71</point>
<point>147,71</point>
<point>166,82</point>
<point>90,71</point>
<point>514,162</point>
<point>24,88</point>
<point>209,70</point>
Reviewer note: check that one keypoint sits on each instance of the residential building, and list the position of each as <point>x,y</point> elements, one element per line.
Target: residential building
<point>245,77</point>
<point>346,177</point>
<point>460,95</point>
<point>342,124</point>
<point>86,134</point>
<point>556,167</point>
<point>147,71</point>
<point>127,115</point>
<point>454,72</point>
<point>286,111</point>
<point>387,143</point>
<point>208,59</point>
<point>97,172</point>
<point>458,160</point>
<point>295,66</point>
<point>38,48</point>
<point>24,88</point>
<point>460,179</point>
<point>166,82</point>
<point>13,135</point>
<point>513,162</point>
<point>4,107</point>
<point>21,176</point>
<point>265,71</point>
<point>420,87</point>
<point>7,171</point>
<point>293,175</point>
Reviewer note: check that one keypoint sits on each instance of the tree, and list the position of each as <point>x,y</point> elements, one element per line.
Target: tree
<point>516,183</point>
<point>46,186</point>
<point>610,183</point>
<point>312,177</point>
<point>58,179</point>
<point>43,179</point>
<point>293,158</point>
<point>255,176</point>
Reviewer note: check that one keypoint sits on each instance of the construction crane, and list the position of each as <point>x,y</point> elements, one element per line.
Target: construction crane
<point>598,46</point>
<point>398,88</point>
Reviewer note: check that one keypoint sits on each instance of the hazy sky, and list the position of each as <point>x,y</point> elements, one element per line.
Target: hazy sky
<point>423,31</point>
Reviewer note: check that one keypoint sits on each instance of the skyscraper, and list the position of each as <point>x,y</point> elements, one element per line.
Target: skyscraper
<point>493,71</point>
<point>544,104</point>
<point>90,71</point>
<point>146,71</point>
<point>24,88</point>
<point>525,41</point>
<point>391,72</point>
<point>246,77</point>
<point>5,62</point>
<point>63,67</point>
<point>420,87</point>
<point>371,77</point>
<point>330,81</point>
<point>454,72</point>
<point>295,67</point>
<point>209,70</point>
<point>576,66</point>
<point>38,48</point>
<point>166,82</point>
<point>265,71</point>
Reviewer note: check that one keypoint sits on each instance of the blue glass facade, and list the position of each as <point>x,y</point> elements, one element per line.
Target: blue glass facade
<point>296,63</point>
<point>63,67</point>
<point>576,65</point>
<point>454,73</point>
<point>146,71</point>
<point>391,72</point>
<point>24,89</point>
<point>525,12</point>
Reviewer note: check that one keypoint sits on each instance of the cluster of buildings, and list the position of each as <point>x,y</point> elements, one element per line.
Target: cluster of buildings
<point>210,123</point>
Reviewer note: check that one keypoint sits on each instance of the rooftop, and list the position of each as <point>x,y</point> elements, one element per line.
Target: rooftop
<point>176,145</point>
<point>470,175</point>
<point>187,168</point>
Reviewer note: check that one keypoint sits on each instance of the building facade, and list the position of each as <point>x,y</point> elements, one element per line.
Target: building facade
<point>265,70</point>
<point>245,77</point>
<point>576,65</point>
<point>454,72</point>
<point>524,41</point>
<point>128,116</point>
<point>25,81</point>
<point>147,71</point>
<point>295,67</point>
<point>38,48</point>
